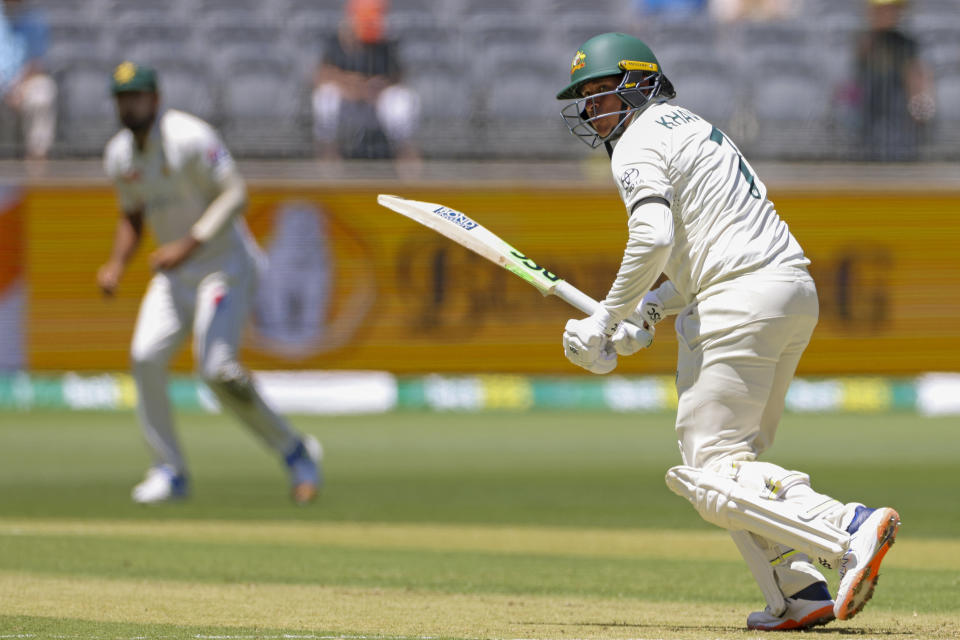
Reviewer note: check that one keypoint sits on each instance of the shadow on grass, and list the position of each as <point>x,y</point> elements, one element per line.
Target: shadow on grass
<point>724,629</point>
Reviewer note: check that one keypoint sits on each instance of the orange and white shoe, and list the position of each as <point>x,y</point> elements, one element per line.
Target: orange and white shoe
<point>808,608</point>
<point>873,532</point>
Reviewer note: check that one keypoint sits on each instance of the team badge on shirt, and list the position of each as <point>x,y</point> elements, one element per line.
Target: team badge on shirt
<point>216,155</point>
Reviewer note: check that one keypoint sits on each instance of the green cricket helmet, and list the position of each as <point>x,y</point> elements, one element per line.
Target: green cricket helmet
<point>619,55</point>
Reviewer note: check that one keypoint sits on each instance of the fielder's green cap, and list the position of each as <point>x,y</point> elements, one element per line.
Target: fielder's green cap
<point>129,76</point>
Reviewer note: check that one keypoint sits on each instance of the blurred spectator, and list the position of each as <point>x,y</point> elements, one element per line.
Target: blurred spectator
<point>360,107</point>
<point>33,94</point>
<point>754,10</point>
<point>669,8</point>
<point>894,87</point>
<point>12,54</point>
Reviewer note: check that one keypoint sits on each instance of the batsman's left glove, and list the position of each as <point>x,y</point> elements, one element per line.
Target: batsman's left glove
<point>586,342</point>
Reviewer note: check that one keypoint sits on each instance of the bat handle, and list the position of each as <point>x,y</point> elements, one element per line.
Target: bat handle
<point>574,297</point>
<point>579,300</point>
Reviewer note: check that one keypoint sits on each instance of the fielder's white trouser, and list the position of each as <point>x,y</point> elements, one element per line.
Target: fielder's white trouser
<point>216,310</point>
<point>739,347</point>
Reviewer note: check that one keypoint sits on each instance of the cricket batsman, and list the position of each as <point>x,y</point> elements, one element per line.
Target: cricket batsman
<point>746,307</point>
<point>171,169</point>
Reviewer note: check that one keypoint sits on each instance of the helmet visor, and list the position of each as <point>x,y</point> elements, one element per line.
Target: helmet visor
<point>634,92</point>
<point>576,115</point>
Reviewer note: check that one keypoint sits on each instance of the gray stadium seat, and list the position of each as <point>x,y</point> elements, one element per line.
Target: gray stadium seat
<point>264,107</point>
<point>948,100</point>
<point>129,12</point>
<point>230,41</point>
<point>188,86</point>
<point>572,30</point>
<point>792,111</point>
<point>160,38</point>
<point>87,116</point>
<point>70,43</point>
<point>487,30</point>
<point>686,33</point>
<point>327,11</point>
<point>416,11</point>
<point>73,12</point>
<point>709,88</point>
<point>448,101</point>
<point>522,114</point>
<point>427,46</point>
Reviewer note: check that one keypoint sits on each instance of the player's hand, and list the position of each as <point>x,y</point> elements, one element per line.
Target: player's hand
<point>173,254</point>
<point>629,338</point>
<point>651,309</point>
<point>586,342</point>
<point>108,277</point>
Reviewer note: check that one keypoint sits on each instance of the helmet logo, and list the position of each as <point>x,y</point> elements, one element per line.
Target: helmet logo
<point>124,72</point>
<point>579,62</point>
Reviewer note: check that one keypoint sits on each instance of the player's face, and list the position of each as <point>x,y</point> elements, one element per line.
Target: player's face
<point>603,103</point>
<point>137,109</point>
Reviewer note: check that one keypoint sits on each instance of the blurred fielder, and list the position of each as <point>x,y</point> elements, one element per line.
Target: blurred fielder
<point>746,307</point>
<point>171,168</point>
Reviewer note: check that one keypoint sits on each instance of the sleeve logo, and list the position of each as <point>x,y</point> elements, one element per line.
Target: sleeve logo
<point>629,179</point>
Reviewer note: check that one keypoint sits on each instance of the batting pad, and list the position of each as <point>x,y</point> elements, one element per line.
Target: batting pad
<point>762,571</point>
<point>801,524</point>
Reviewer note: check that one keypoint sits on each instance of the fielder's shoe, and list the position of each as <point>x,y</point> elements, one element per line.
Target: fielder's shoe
<point>872,534</point>
<point>807,608</point>
<point>306,472</point>
<point>162,483</point>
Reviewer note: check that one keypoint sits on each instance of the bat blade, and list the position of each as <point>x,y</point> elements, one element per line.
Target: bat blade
<point>465,231</point>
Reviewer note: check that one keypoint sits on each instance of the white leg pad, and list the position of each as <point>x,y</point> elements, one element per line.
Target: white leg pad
<point>809,523</point>
<point>761,570</point>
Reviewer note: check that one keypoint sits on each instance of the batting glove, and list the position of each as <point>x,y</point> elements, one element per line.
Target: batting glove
<point>586,342</point>
<point>629,338</point>
<point>651,308</point>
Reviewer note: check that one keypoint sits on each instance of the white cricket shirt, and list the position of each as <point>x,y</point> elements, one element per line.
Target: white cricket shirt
<point>723,224</point>
<point>173,181</point>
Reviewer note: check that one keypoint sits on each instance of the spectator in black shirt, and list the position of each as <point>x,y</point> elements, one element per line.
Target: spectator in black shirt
<point>360,107</point>
<point>895,87</point>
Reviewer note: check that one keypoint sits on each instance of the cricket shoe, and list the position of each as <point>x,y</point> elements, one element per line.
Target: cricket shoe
<point>872,533</point>
<point>806,608</point>
<point>161,484</point>
<point>306,470</point>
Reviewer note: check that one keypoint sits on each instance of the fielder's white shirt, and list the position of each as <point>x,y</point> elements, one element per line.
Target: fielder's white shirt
<point>723,225</point>
<point>173,181</point>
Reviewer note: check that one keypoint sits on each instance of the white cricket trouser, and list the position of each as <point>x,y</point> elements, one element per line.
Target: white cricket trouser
<point>738,350</point>
<point>216,310</point>
<point>739,347</point>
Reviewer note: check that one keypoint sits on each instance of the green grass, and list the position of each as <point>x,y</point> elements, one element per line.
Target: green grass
<point>540,473</point>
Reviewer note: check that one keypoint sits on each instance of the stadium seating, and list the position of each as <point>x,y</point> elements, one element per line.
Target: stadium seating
<point>479,65</point>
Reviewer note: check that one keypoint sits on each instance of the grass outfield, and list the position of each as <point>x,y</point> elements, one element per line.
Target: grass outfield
<point>539,525</point>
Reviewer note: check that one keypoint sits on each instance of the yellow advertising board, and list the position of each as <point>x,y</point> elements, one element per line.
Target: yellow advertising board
<point>355,286</point>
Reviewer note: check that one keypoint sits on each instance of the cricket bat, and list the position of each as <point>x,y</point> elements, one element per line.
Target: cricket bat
<point>471,234</point>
